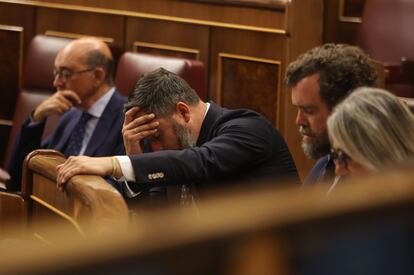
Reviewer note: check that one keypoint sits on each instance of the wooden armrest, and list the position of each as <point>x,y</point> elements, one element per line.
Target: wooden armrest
<point>87,199</point>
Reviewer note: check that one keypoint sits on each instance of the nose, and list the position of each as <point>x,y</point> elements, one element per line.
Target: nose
<point>340,169</point>
<point>58,83</point>
<point>300,119</point>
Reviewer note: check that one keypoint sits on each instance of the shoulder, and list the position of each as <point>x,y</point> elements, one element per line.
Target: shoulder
<point>118,97</point>
<point>318,170</point>
<point>116,103</point>
<point>246,119</point>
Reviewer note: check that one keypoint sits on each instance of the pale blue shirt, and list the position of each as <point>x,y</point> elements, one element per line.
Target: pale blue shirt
<point>128,170</point>
<point>96,111</point>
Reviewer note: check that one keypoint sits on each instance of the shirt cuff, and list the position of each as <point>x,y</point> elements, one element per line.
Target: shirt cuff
<point>32,122</point>
<point>126,168</point>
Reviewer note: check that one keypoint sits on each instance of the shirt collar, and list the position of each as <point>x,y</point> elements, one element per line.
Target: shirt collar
<point>208,106</point>
<point>99,106</point>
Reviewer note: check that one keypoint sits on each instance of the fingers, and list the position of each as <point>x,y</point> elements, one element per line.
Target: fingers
<point>82,165</point>
<point>140,127</point>
<point>73,97</point>
<point>4,176</point>
<point>130,114</point>
<point>59,103</point>
<point>141,123</point>
<point>71,167</point>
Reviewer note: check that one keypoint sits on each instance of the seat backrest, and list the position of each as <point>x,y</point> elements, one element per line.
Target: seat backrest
<point>26,103</point>
<point>132,66</point>
<point>386,35</point>
<point>386,30</point>
<point>37,83</point>
<point>39,63</point>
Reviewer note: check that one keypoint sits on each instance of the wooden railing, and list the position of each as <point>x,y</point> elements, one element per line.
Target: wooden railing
<point>269,231</point>
<point>86,200</point>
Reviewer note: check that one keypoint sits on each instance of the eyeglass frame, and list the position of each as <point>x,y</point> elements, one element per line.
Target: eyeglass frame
<point>66,76</point>
<point>340,156</point>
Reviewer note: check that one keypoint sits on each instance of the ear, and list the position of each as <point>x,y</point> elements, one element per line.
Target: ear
<point>183,111</point>
<point>99,75</point>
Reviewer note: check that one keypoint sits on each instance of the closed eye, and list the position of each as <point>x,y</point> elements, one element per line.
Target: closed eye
<point>308,110</point>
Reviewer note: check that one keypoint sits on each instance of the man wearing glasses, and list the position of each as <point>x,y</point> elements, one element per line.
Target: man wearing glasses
<point>88,103</point>
<point>319,79</point>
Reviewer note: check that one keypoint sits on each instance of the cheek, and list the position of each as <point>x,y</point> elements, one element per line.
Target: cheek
<point>356,169</point>
<point>317,124</point>
<point>170,143</point>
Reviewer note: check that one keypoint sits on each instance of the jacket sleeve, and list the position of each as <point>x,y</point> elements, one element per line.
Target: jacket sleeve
<point>29,139</point>
<point>234,147</point>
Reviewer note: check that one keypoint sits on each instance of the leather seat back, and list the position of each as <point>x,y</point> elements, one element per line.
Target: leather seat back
<point>386,35</point>
<point>133,65</point>
<point>37,83</point>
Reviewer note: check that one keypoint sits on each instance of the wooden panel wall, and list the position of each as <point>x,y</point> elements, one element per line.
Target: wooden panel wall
<point>342,18</point>
<point>245,48</point>
<point>11,38</point>
<point>16,30</point>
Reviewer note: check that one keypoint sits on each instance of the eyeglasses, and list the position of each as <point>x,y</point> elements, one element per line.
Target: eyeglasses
<point>66,74</point>
<point>339,156</point>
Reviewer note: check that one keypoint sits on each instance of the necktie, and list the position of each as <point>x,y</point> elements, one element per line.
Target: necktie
<point>75,141</point>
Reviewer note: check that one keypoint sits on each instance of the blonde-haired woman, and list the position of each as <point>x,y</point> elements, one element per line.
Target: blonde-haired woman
<point>369,131</point>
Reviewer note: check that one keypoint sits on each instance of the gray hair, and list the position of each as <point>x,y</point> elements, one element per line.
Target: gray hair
<point>374,128</point>
<point>96,58</point>
<point>159,92</point>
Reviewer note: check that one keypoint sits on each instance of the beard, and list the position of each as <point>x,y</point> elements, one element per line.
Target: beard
<point>318,146</point>
<point>185,136</point>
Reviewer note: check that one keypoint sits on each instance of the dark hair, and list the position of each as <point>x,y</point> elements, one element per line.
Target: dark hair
<point>159,91</point>
<point>342,68</point>
<point>96,58</point>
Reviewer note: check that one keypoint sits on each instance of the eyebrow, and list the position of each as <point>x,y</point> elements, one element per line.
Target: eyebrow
<point>62,68</point>
<point>307,107</point>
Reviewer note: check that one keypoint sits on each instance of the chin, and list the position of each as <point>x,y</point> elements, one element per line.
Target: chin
<point>307,139</point>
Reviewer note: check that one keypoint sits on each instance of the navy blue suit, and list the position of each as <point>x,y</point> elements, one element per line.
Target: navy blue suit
<point>323,170</point>
<point>233,146</point>
<point>106,139</point>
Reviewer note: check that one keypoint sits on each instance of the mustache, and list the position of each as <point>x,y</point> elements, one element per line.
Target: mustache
<point>306,131</point>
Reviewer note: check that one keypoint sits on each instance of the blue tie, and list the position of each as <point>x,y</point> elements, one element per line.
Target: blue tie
<point>75,141</point>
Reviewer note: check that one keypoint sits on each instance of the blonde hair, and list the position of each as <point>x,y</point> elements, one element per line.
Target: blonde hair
<point>374,128</point>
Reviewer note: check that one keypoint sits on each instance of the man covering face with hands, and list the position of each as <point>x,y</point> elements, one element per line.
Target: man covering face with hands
<point>173,138</point>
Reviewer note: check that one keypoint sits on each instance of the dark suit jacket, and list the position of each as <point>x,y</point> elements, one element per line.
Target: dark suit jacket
<point>233,145</point>
<point>106,139</point>
<point>323,170</point>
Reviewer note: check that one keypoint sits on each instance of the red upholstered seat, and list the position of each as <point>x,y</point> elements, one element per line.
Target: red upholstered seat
<point>39,63</point>
<point>132,66</point>
<point>37,83</point>
<point>386,35</point>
